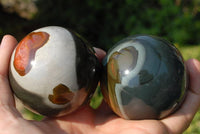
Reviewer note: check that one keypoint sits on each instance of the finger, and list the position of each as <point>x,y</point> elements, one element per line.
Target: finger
<point>7,45</point>
<point>104,109</point>
<point>100,53</point>
<point>179,121</point>
<point>195,75</point>
<point>104,114</point>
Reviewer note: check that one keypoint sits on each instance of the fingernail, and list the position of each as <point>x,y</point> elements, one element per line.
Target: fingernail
<point>197,64</point>
<point>4,38</point>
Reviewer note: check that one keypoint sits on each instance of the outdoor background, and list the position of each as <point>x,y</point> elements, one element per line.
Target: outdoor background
<point>103,23</point>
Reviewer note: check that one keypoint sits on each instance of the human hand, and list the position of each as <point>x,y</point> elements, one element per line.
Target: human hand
<point>87,120</point>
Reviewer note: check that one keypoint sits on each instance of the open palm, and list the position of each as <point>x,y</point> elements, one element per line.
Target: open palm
<point>87,120</point>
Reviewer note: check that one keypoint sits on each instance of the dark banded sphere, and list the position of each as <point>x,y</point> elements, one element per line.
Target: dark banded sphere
<point>53,71</point>
<point>144,78</point>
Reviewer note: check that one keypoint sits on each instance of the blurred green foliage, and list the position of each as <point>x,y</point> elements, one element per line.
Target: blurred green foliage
<point>104,22</point>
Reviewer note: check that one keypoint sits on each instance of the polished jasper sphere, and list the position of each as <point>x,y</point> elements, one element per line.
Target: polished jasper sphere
<point>144,78</point>
<point>53,71</point>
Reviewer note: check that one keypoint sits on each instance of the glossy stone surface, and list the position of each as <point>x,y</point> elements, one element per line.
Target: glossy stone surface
<point>144,78</point>
<point>53,71</point>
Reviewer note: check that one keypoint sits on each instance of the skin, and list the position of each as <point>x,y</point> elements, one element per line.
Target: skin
<point>87,120</point>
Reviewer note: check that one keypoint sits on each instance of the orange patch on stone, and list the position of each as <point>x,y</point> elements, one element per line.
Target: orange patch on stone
<point>26,49</point>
